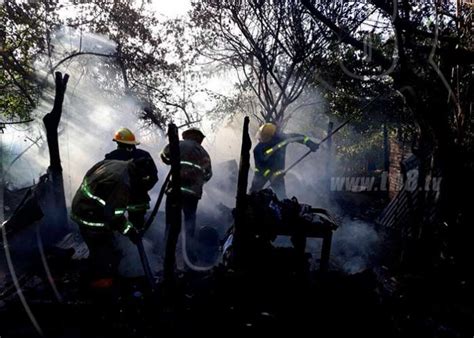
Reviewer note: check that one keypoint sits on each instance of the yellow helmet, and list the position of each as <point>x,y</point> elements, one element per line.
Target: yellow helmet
<point>266,132</point>
<point>125,136</point>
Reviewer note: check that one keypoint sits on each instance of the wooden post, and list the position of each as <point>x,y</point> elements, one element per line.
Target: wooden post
<point>55,197</point>
<point>174,197</point>
<point>386,150</point>
<point>326,252</point>
<point>51,122</point>
<point>240,226</point>
<point>329,157</point>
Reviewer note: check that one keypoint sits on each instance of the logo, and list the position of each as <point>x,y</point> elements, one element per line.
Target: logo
<point>368,50</point>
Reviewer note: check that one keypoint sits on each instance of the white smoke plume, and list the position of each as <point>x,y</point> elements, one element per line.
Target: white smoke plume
<point>91,115</point>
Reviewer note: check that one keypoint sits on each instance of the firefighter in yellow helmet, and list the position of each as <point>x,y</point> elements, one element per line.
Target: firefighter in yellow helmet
<point>269,156</point>
<point>146,171</point>
<point>113,197</point>
<point>125,136</point>
<point>196,170</point>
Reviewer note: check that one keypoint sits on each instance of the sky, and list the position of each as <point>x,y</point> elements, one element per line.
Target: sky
<point>171,8</point>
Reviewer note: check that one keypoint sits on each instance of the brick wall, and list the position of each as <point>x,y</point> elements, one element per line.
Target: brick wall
<point>399,151</point>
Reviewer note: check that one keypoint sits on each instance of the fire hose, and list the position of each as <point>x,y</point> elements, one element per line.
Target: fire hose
<point>158,202</point>
<point>141,250</point>
<point>139,244</point>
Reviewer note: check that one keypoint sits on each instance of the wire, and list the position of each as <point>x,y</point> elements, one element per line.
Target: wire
<point>46,265</point>
<point>19,291</point>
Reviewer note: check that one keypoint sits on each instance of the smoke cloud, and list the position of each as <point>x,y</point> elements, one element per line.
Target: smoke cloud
<point>91,115</point>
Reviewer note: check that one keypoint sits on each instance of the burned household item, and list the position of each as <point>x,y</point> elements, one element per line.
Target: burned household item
<point>267,217</point>
<point>43,205</point>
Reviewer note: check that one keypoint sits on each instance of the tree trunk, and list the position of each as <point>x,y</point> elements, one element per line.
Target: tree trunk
<point>438,140</point>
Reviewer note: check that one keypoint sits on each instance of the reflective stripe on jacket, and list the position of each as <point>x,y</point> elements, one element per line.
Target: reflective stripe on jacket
<point>270,156</point>
<point>196,168</point>
<point>146,170</point>
<point>104,197</point>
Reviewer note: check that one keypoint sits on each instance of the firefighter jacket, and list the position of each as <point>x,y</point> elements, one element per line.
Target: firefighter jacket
<point>146,173</point>
<point>196,166</point>
<point>270,156</point>
<point>105,196</point>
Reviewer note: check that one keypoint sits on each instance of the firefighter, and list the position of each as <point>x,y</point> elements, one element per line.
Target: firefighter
<point>269,155</point>
<point>100,207</point>
<point>146,169</point>
<point>195,171</point>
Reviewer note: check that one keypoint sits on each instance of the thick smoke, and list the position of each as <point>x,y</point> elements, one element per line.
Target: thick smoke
<point>90,117</point>
<point>92,114</point>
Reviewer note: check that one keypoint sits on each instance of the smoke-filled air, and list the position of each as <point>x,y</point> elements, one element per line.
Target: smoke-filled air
<point>202,167</point>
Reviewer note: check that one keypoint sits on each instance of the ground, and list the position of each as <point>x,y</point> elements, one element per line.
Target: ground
<point>272,298</point>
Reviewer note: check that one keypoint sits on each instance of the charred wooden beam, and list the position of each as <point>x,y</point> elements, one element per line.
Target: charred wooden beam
<point>51,122</point>
<point>329,157</point>
<point>241,231</point>
<point>174,212</point>
<point>326,251</point>
<point>55,198</point>
<point>386,149</point>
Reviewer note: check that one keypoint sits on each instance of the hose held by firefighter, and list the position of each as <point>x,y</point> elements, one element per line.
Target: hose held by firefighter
<point>148,174</point>
<point>113,197</point>
<point>196,170</point>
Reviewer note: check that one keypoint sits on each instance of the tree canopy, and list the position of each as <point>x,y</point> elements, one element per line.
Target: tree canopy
<point>150,60</point>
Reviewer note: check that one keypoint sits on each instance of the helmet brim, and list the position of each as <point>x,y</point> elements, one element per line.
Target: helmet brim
<point>127,142</point>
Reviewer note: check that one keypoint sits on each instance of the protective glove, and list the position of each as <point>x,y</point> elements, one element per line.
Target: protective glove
<point>312,145</point>
<point>133,235</point>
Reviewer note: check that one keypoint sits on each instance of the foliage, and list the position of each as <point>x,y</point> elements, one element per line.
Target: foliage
<point>424,42</point>
<point>432,72</point>
<point>22,37</point>
<point>151,59</point>
<point>273,48</point>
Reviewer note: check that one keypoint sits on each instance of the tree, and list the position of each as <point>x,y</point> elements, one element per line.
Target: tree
<point>274,49</point>
<point>22,37</point>
<point>149,62</point>
<point>434,60</point>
